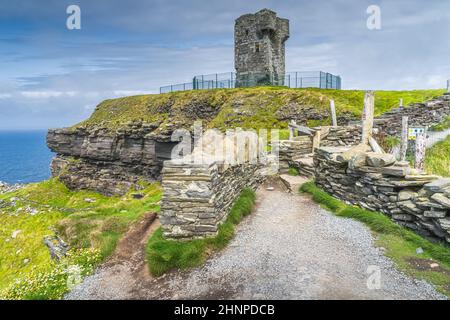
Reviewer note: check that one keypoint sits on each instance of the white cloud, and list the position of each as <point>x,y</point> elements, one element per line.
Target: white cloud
<point>47,94</point>
<point>5,95</point>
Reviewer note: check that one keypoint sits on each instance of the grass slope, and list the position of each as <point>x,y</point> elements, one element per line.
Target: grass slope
<point>245,107</point>
<point>400,243</point>
<point>164,255</point>
<point>91,227</point>
<point>437,158</point>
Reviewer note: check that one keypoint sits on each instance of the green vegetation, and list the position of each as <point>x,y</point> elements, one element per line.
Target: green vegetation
<point>258,107</point>
<point>399,242</point>
<point>392,142</point>
<point>293,171</point>
<point>437,158</point>
<point>283,134</point>
<point>164,255</point>
<point>90,222</point>
<point>445,124</point>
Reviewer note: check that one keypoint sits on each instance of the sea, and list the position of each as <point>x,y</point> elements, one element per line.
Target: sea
<point>24,157</point>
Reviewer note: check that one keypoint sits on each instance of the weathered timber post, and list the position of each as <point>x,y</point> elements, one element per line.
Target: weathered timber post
<point>333,113</point>
<point>404,139</point>
<point>291,130</point>
<point>420,151</point>
<point>401,102</point>
<point>367,117</point>
<point>448,85</point>
<point>316,141</point>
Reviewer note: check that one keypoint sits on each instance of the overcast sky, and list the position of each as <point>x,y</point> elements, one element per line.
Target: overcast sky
<point>52,77</point>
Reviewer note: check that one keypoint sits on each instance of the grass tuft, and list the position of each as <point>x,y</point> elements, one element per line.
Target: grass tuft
<point>164,255</point>
<point>293,171</point>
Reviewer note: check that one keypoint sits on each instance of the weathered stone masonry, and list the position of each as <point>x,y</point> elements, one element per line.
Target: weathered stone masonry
<point>413,199</point>
<point>419,114</point>
<point>259,48</point>
<point>197,198</point>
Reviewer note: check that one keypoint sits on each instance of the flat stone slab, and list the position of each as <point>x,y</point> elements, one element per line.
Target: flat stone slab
<point>380,159</point>
<point>438,185</point>
<point>441,199</point>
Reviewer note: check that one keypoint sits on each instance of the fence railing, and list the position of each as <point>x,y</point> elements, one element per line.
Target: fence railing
<point>296,79</point>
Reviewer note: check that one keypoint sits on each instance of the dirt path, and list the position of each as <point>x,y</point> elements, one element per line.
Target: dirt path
<point>289,248</point>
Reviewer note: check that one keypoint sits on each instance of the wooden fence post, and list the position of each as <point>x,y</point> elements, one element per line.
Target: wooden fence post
<point>404,139</point>
<point>291,130</point>
<point>367,117</point>
<point>401,102</point>
<point>333,113</point>
<point>316,141</point>
<point>448,85</point>
<point>420,151</point>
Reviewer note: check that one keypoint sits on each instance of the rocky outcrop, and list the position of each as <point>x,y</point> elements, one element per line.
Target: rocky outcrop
<point>107,162</point>
<point>416,200</point>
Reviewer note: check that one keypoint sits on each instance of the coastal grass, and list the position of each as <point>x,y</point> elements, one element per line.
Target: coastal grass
<point>164,254</point>
<point>437,158</point>
<point>247,108</point>
<point>91,227</point>
<point>293,171</point>
<point>399,242</point>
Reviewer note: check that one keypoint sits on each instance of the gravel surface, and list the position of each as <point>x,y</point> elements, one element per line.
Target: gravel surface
<point>289,248</point>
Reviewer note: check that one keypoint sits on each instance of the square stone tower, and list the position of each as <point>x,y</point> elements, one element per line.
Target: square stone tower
<point>259,49</point>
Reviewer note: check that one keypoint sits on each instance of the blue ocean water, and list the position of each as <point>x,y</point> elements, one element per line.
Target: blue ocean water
<point>24,157</point>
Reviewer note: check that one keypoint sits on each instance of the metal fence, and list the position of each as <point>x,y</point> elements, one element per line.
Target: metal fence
<point>296,79</point>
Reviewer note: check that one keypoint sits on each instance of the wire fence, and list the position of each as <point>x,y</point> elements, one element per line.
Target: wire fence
<point>296,79</point>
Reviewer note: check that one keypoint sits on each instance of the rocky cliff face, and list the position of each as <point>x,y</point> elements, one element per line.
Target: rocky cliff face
<point>103,161</point>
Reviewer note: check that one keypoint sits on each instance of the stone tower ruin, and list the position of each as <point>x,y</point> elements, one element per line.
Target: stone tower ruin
<point>259,49</point>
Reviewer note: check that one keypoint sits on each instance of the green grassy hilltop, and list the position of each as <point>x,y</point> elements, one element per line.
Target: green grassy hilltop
<point>260,107</point>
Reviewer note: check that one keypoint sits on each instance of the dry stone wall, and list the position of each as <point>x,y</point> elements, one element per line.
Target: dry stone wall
<point>419,114</point>
<point>341,136</point>
<point>198,197</point>
<point>377,182</point>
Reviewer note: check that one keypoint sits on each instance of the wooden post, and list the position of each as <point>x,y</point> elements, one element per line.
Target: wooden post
<point>316,141</point>
<point>448,85</point>
<point>420,151</point>
<point>401,102</point>
<point>291,130</point>
<point>404,139</point>
<point>367,117</point>
<point>333,113</point>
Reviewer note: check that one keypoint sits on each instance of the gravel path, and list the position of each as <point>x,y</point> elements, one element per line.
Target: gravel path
<point>436,136</point>
<point>289,248</point>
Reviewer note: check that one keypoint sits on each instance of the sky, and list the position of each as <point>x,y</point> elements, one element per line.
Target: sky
<point>51,76</point>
